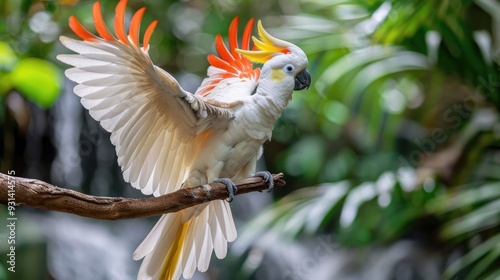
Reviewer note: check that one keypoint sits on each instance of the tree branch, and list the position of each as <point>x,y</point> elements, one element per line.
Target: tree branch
<point>42,195</point>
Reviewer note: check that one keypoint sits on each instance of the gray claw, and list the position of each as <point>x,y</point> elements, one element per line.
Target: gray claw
<point>268,177</point>
<point>231,187</point>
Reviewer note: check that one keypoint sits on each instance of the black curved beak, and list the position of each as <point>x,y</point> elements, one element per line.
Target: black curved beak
<point>302,80</point>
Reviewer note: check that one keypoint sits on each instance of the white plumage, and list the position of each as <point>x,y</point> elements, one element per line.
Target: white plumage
<point>167,138</point>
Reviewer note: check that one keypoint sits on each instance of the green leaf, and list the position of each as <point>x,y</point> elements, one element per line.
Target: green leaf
<point>38,80</point>
<point>495,275</point>
<point>7,61</point>
<point>7,57</point>
<point>480,219</point>
<point>465,198</point>
<point>481,267</point>
<point>484,249</point>
<point>325,204</point>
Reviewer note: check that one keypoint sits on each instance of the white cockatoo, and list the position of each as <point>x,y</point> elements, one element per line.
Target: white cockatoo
<point>167,138</point>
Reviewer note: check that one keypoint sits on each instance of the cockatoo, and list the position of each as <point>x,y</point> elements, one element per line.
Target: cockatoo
<point>167,138</point>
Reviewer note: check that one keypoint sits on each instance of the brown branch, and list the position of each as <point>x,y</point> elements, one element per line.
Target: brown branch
<point>42,195</point>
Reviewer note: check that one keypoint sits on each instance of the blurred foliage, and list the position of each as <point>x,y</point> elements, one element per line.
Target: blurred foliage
<point>38,80</point>
<point>402,129</point>
<point>398,137</point>
<point>21,69</point>
<point>372,212</point>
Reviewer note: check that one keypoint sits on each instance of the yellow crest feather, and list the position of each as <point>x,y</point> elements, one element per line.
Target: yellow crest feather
<point>267,46</point>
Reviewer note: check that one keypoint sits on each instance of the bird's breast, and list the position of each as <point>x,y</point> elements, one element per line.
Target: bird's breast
<point>225,151</point>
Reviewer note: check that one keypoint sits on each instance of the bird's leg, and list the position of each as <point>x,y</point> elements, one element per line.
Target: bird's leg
<point>268,178</point>
<point>231,187</point>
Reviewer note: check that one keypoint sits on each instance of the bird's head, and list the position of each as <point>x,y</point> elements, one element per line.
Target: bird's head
<point>283,62</point>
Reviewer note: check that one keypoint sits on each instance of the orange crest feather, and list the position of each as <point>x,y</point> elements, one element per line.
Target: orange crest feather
<point>229,60</point>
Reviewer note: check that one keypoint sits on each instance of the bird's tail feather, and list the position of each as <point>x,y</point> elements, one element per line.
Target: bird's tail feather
<point>176,247</point>
<point>170,265</point>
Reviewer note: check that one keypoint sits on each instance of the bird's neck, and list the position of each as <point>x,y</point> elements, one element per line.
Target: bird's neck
<point>260,115</point>
<point>271,101</point>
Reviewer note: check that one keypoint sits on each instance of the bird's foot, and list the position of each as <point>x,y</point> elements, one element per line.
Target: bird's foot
<point>231,187</point>
<point>268,178</point>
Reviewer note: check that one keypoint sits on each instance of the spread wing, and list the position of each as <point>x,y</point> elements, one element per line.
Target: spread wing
<point>154,123</point>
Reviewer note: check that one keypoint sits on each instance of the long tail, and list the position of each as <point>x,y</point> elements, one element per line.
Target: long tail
<point>174,247</point>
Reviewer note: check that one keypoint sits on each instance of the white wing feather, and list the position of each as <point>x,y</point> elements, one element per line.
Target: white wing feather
<point>154,125</point>
<point>152,120</point>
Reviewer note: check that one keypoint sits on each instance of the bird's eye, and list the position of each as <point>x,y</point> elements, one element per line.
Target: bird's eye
<point>289,68</point>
